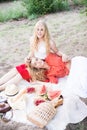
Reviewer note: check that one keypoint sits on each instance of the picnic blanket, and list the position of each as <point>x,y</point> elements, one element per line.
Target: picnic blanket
<point>73,109</point>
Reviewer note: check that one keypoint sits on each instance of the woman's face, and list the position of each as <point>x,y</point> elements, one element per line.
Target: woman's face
<point>40,30</point>
<point>37,63</point>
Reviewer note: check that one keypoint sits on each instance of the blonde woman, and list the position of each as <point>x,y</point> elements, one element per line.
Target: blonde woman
<point>41,44</point>
<point>37,69</point>
<point>34,71</point>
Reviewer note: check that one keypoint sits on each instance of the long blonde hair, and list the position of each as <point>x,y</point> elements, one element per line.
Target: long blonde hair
<point>37,74</point>
<point>46,38</point>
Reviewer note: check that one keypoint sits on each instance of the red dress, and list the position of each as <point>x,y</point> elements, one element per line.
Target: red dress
<point>57,69</point>
<point>23,72</point>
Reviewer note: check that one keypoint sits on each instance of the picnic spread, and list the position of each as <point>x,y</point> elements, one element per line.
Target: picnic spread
<point>43,108</point>
<point>72,109</point>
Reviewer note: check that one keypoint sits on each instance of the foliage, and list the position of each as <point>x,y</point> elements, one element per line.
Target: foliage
<point>38,6</point>
<point>35,8</point>
<point>80,2</point>
<point>15,12</point>
<point>41,7</point>
<point>59,5</point>
<point>76,2</point>
<point>85,2</point>
<point>33,16</point>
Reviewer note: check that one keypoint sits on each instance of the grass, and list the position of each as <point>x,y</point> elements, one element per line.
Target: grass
<point>15,11</point>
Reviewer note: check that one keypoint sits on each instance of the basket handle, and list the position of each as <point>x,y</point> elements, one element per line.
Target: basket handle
<point>57,101</point>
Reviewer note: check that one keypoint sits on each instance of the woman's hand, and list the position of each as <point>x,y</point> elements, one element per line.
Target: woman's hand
<point>65,58</point>
<point>27,61</point>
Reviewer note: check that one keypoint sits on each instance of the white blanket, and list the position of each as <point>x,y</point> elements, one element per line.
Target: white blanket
<point>73,109</point>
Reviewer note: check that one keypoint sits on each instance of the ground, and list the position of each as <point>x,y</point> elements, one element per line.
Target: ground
<point>68,29</point>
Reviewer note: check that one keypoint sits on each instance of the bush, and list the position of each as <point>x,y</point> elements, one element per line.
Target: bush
<point>38,6</point>
<point>59,5</point>
<point>14,12</point>
<point>85,2</point>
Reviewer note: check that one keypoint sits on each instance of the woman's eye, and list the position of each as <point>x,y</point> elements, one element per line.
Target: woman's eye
<point>38,29</point>
<point>41,29</point>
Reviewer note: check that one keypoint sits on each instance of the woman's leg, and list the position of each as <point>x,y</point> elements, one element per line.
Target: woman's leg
<point>8,76</point>
<point>14,80</point>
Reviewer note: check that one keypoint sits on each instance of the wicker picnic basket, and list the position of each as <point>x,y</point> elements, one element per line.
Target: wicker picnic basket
<point>44,112</point>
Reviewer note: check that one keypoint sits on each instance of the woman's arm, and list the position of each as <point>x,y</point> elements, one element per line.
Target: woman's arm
<point>54,48</point>
<point>30,55</point>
